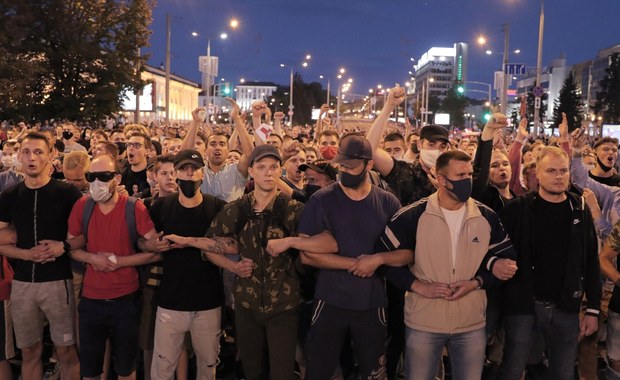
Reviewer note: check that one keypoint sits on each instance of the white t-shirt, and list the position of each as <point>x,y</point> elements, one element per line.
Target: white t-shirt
<point>454,218</point>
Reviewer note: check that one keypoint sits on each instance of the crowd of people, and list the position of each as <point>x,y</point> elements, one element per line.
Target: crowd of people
<point>330,253</point>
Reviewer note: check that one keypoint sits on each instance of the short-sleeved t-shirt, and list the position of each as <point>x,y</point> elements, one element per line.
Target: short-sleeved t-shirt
<point>39,214</point>
<point>108,233</point>
<point>356,226</point>
<point>132,180</point>
<point>188,282</point>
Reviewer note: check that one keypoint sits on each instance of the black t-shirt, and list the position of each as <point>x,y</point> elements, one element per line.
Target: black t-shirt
<point>356,225</point>
<point>551,229</point>
<point>39,214</point>
<point>188,282</point>
<point>614,180</point>
<point>131,179</point>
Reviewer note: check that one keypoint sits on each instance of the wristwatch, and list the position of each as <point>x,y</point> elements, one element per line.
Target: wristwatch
<point>66,246</point>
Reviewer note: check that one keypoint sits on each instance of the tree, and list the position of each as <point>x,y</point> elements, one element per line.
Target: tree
<point>306,96</point>
<point>608,99</point>
<point>454,103</point>
<point>70,59</point>
<point>569,102</point>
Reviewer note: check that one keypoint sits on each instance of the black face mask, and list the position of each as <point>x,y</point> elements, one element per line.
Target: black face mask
<point>122,147</point>
<point>414,148</point>
<point>188,187</point>
<point>311,189</point>
<point>352,181</point>
<point>67,135</point>
<point>603,166</point>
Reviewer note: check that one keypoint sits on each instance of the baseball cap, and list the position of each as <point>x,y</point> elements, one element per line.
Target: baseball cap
<point>188,156</point>
<point>434,133</point>
<point>352,149</point>
<point>320,166</point>
<point>263,151</point>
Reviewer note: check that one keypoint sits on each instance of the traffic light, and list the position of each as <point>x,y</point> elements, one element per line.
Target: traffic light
<point>487,116</point>
<point>460,88</point>
<point>226,90</point>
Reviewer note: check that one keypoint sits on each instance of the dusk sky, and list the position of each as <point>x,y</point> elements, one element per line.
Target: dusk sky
<point>373,40</point>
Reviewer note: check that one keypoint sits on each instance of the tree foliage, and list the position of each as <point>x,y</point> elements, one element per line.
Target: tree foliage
<point>608,99</point>
<point>306,96</point>
<point>70,59</point>
<point>569,102</point>
<point>454,104</point>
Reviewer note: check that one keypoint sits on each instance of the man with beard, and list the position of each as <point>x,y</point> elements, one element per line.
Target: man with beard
<point>557,256</point>
<point>109,307</point>
<point>347,299</point>
<point>222,180</point>
<point>134,176</point>
<point>189,296</point>
<point>394,144</point>
<point>606,150</point>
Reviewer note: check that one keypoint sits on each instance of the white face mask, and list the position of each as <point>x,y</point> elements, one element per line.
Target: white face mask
<point>429,157</point>
<point>100,191</point>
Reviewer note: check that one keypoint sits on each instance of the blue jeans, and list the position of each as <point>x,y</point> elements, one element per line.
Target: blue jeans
<point>560,330</point>
<point>465,350</point>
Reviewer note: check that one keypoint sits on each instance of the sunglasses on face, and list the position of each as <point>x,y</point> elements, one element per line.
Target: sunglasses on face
<point>101,176</point>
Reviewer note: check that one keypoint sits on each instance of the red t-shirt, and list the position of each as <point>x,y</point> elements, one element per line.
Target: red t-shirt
<point>108,233</point>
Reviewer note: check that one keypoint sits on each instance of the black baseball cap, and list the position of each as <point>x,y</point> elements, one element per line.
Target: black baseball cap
<point>352,149</point>
<point>434,133</point>
<point>321,166</point>
<point>188,156</point>
<point>263,151</point>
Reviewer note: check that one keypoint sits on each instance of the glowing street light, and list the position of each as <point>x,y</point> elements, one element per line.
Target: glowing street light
<point>234,23</point>
<point>482,40</point>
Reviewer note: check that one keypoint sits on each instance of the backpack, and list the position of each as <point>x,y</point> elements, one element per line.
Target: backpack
<point>274,217</point>
<point>130,217</point>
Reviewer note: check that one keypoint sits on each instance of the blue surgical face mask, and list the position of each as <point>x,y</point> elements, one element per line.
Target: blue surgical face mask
<point>461,188</point>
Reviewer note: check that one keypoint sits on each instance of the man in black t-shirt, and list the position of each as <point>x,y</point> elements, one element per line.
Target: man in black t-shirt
<point>190,294</point>
<point>134,176</point>
<point>39,208</point>
<point>557,257</point>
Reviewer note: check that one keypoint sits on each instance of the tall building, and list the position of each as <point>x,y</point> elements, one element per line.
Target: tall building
<point>551,80</point>
<point>249,92</point>
<point>183,97</point>
<point>439,68</point>
<point>589,74</point>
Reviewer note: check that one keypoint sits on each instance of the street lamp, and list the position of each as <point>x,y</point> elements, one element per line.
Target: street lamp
<point>304,63</point>
<point>537,100</point>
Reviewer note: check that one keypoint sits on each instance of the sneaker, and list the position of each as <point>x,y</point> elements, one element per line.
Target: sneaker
<point>52,371</point>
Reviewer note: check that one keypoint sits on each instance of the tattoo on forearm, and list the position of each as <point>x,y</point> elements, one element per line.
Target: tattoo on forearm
<point>223,245</point>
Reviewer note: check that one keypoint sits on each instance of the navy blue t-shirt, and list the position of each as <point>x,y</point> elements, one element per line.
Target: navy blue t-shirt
<point>356,225</point>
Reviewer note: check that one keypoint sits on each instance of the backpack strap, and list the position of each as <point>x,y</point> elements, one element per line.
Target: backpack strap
<point>89,206</point>
<point>130,219</point>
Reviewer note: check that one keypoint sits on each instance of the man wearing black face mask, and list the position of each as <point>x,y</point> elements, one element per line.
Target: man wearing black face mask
<point>458,246</point>
<point>70,136</point>
<point>190,294</point>
<point>319,174</point>
<point>355,213</point>
<point>606,150</point>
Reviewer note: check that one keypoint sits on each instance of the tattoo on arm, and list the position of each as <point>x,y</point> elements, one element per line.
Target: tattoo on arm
<point>223,245</point>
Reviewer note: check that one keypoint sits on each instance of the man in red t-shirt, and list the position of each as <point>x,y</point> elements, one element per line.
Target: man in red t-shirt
<point>108,307</point>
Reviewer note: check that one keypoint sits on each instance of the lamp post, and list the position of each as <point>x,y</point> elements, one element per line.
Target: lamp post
<point>537,100</point>
<point>167,89</point>
<point>291,107</point>
<point>426,111</point>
